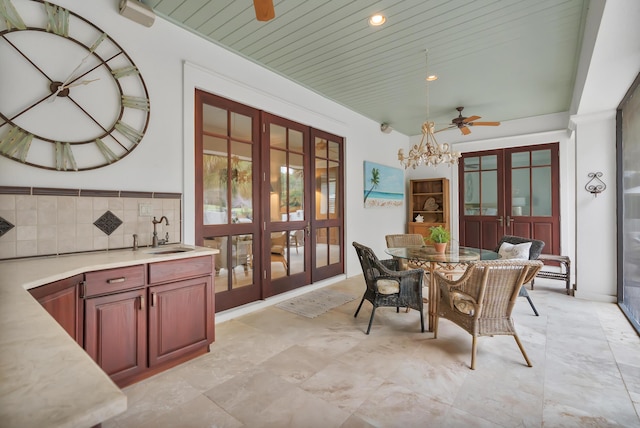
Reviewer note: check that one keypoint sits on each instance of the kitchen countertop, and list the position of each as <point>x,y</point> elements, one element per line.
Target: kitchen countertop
<point>46,378</point>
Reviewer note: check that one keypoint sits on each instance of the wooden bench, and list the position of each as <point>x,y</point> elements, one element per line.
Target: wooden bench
<point>563,275</point>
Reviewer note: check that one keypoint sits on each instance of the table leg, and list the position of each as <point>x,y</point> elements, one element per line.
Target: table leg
<point>433,295</point>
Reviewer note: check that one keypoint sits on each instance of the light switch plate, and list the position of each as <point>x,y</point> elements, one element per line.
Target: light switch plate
<point>145,210</point>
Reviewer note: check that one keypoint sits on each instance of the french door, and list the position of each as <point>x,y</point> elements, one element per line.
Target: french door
<point>286,161</point>
<point>327,205</point>
<point>269,196</point>
<point>510,192</point>
<point>227,195</point>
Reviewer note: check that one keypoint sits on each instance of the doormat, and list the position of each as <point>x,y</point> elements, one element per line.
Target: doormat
<point>315,303</point>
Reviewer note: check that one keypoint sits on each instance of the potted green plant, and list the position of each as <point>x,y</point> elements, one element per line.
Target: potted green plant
<point>440,237</point>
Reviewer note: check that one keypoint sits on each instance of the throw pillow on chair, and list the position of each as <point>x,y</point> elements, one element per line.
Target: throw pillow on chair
<point>515,251</point>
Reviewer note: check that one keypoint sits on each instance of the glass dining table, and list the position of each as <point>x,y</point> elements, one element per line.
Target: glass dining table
<point>452,261</point>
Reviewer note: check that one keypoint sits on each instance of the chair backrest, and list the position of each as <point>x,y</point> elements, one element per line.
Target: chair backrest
<point>404,240</point>
<point>495,284</point>
<point>534,251</point>
<point>371,265</point>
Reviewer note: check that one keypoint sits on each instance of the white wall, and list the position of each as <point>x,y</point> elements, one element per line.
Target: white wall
<point>595,219</point>
<point>173,62</point>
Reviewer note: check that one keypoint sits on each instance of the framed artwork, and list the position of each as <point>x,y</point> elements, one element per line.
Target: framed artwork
<point>383,185</point>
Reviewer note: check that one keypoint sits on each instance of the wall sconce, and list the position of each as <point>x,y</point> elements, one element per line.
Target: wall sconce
<point>595,186</point>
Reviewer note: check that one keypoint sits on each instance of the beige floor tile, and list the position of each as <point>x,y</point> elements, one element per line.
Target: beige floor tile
<point>392,405</point>
<point>296,364</point>
<point>154,396</point>
<point>297,408</point>
<point>340,384</point>
<point>248,393</point>
<point>559,415</point>
<point>199,412</point>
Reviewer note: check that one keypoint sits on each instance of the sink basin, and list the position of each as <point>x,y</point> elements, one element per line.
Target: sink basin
<point>169,250</point>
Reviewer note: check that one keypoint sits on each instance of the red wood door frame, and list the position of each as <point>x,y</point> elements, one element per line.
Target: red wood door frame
<point>483,227</point>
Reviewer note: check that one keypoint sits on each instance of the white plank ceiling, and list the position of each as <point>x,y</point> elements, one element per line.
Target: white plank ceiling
<point>500,59</point>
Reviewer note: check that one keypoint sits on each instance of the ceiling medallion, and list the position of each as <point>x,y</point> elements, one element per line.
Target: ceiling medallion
<point>429,151</point>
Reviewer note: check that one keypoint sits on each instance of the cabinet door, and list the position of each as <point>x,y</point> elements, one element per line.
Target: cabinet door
<point>62,301</point>
<point>180,318</point>
<point>116,332</point>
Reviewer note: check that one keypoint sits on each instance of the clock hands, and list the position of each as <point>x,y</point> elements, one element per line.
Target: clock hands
<point>66,82</point>
<point>82,82</point>
<point>61,90</point>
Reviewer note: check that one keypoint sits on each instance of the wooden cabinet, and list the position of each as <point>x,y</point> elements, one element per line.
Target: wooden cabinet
<point>181,314</point>
<point>111,281</point>
<point>61,300</point>
<point>430,199</point>
<point>143,319</point>
<point>180,319</point>
<point>116,333</point>
<point>116,320</point>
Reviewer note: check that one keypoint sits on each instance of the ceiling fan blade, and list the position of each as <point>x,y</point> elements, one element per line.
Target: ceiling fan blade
<point>465,130</point>
<point>484,124</point>
<point>264,10</point>
<point>444,129</point>
<point>471,119</point>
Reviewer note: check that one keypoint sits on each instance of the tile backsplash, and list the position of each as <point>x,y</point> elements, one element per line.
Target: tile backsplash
<point>41,221</point>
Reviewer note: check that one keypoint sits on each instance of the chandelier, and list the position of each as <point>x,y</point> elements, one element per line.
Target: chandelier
<point>429,151</point>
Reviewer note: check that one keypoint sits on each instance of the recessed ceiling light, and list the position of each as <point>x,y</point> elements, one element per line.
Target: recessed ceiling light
<point>377,19</point>
<point>432,77</point>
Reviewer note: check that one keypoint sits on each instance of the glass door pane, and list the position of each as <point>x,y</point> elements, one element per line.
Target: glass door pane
<point>531,193</point>
<point>214,162</point>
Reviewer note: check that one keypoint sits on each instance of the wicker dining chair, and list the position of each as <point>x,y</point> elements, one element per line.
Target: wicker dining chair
<point>387,285</point>
<point>408,240</point>
<point>482,299</point>
<point>534,252</point>
<point>405,240</point>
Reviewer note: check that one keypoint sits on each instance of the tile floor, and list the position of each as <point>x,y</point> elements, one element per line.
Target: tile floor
<point>272,368</point>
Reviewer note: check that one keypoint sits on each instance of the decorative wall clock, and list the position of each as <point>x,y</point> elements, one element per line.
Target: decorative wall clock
<point>71,98</point>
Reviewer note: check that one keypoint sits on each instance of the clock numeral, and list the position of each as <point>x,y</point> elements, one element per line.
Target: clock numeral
<point>95,44</point>
<point>140,103</point>
<point>125,71</point>
<point>11,15</point>
<point>64,157</point>
<point>133,135</point>
<point>106,151</point>
<point>57,19</point>
<point>16,143</point>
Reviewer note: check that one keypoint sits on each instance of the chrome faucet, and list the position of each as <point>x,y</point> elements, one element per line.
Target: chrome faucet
<point>154,241</point>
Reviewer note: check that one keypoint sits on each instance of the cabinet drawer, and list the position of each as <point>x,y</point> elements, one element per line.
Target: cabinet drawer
<point>113,280</point>
<point>180,269</point>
